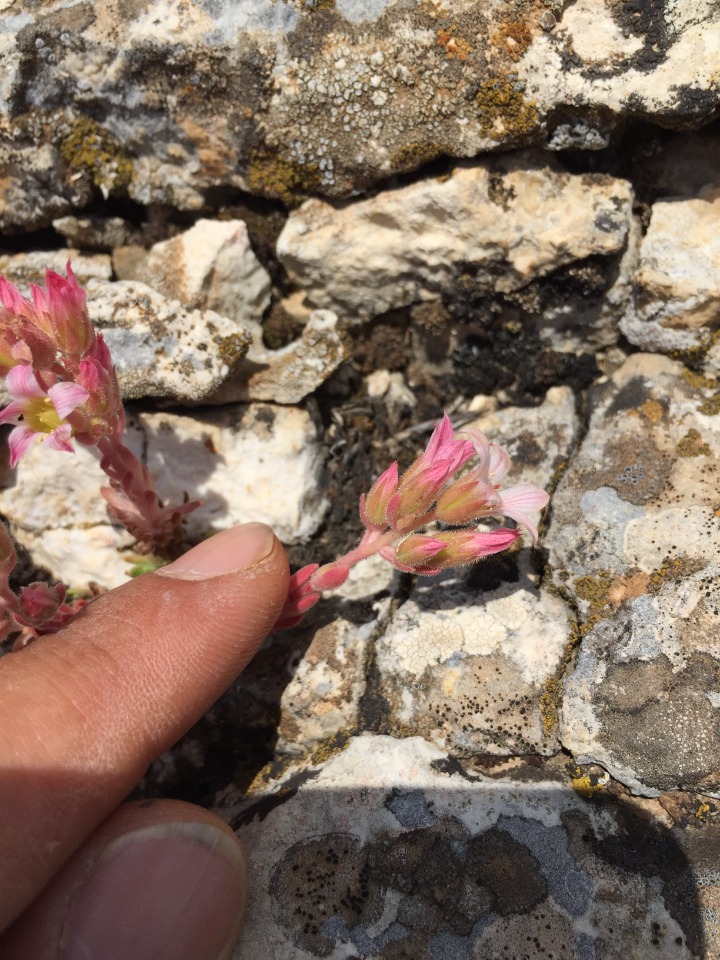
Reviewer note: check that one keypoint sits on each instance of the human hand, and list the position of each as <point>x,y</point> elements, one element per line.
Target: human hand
<point>82,714</point>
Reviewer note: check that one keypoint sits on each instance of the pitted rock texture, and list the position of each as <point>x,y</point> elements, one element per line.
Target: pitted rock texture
<point>391,852</point>
<point>633,543</point>
<point>638,504</point>
<point>164,101</point>
<point>245,462</point>
<point>470,661</point>
<point>159,348</point>
<point>644,697</point>
<point>495,226</point>
<point>676,303</point>
<point>22,269</point>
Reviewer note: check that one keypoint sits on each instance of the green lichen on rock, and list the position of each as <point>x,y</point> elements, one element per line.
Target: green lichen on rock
<point>692,445</point>
<point>272,175</point>
<point>504,113</point>
<point>90,149</point>
<point>233,348</point>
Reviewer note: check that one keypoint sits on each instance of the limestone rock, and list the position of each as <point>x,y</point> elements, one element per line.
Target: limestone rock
<point>53,505</point>
<point>644,698</point>
<point>470,663</point>
<point>245,462</point>
<point>23,269</point>
<point>159,348</point>
<point>391,850</point>
<point>288,99</point>
<point>676,303</point>
<point>96,232</point>
<point>211,266</point>
<point>498,225</point>
<point>633,541</point>
<point>289,374</point>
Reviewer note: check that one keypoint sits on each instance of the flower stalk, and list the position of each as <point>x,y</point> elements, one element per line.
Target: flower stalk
<point>432,491</point>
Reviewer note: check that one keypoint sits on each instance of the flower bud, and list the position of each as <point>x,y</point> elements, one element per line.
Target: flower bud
<point>329,577</point>
<point>461,547</point>
<point>373,507</point>
<point>417,549</point>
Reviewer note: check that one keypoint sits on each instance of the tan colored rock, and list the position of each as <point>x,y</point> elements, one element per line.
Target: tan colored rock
<point>159,348</point>
<point>23,269</point>
<point>497,225</point>
<point>676,302</point>
<point>211,266</point>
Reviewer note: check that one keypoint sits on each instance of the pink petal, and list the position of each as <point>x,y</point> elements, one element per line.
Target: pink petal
<point>499,462</point>
<point>11,297</point>
<point>39,298</point>
<point>494,541</point>
<point>481,444</point>
<point>524,496</point>
<point>442,433</point>
<point>59,438</point>
<point>12,411</point>
<point>22,383</point>
<point>515,501</point>
<point>19,440</point>
<point>67,397</point>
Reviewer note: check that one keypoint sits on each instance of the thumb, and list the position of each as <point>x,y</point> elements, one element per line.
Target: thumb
<point>84,711</point>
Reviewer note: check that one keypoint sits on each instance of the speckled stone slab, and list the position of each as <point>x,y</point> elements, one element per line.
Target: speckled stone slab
<point>634,543</point>
<point>389,851</point>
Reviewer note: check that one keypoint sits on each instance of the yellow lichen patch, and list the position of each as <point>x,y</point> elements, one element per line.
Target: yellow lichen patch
<point>271,175</point>
<point>328,748</point>
<point>586,782</point>
<point>456,48</point>
<point>691,445</point>
<point>414,155</point>
<point>232,348</point>
<point>504,111</point>
<point>672,568</point>
<point>513,37</point>
<point>91,149</point>
<point>705,811</point>
<point>551,696</point>
<point>652,411</point>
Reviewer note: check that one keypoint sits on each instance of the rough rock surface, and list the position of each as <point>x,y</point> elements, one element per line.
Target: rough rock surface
<point>676,303</point>
<point>470,662</point>
<point>161,349</point>
<point>633,540</point>
<point>494,226</point>
<point>289,374</point>
<point>171,100</point>
<point>252,462</point>
<point>211,266</point>
<point>390,850</point>
<point>23,269</point>
<point>245,462</point>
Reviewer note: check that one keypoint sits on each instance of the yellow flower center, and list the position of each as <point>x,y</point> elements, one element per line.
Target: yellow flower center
<point>41,416</point>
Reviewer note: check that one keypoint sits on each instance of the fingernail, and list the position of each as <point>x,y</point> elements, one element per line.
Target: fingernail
<point>170,891</point>
<point>226,552</point>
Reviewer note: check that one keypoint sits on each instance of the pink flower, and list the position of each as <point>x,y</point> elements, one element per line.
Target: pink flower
<point>38,412</point>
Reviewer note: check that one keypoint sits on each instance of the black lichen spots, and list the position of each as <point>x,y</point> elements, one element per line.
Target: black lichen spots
<point>646,19</point>
<point>324,879</point>
<point>449,885</point>
<point>693,104</point>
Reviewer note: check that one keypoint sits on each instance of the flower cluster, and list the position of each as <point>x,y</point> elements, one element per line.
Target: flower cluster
<point>435,490</point>
<point>64,387</point>
<point>35,609</point>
